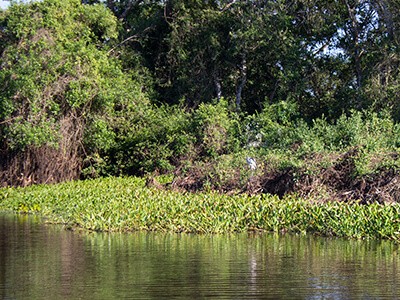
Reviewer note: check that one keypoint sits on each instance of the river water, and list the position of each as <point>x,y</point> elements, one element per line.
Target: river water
<point>39,261</point>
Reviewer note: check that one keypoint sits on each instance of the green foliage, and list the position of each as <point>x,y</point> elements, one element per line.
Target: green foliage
<point>280,127</point>
<point>326,56</point>
<point>61,88</point>
<point>279,133</point>
<point>214,126</point>
<point>53,64</point>
<point>150,139</point>
<point>273,127</point>
<point>366,129</point>
<point>124,204</point>
<point>25,133</point>
<point>69,82</point>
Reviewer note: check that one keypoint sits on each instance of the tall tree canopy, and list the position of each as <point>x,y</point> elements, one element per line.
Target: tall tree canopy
<point>326,56</point>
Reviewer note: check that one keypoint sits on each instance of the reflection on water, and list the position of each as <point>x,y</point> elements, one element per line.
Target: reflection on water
<point>47,262</point>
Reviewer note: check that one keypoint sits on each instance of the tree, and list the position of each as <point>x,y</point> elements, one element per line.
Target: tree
<point>383,82</point>
<point>231,49</point>
<point>58,83</point>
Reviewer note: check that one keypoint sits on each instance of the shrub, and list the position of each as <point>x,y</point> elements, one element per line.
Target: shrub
<point>60,87</point>
<point>215,128</point>
<point>152,139</point>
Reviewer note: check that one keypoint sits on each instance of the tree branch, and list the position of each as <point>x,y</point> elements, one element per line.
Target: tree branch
<point>135,36</point>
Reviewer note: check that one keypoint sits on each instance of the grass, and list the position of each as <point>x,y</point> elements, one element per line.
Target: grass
<point>126,204</point>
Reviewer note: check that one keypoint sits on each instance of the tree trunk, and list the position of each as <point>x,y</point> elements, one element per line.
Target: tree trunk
<point>357,52</point>
<point>217,85</point>
<point>241,81</point>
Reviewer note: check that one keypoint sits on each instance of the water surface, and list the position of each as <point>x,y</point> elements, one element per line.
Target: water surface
<point>39,261</point>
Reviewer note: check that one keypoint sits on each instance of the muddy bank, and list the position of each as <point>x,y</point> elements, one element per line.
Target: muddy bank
<point>336,180</point>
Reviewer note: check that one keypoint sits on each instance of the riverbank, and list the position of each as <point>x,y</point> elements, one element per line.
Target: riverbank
<point>128,204</point>
<point>354,175</point>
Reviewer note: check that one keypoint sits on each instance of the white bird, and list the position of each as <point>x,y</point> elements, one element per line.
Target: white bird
<point>252,163</point>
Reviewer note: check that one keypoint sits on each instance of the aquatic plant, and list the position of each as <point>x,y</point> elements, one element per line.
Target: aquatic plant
<point>126,204</point>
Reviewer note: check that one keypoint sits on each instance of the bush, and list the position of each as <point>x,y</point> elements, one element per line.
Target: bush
<point>151,139</point>
<point>216,129</point>
<point>370,130</point>
<point>60,88</point>
<point>273,128</point>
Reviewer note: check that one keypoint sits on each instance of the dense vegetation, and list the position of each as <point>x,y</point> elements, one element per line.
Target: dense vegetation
<point>125,204</point>
<point>310,89</point>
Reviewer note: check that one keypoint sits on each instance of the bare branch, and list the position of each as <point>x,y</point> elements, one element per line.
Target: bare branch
<point>135,36</point>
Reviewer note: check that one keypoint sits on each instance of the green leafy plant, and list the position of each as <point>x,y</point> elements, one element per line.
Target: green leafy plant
<point>125,204</point>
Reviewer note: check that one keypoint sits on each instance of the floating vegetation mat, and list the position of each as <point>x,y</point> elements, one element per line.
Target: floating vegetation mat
<point>126,204</point>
